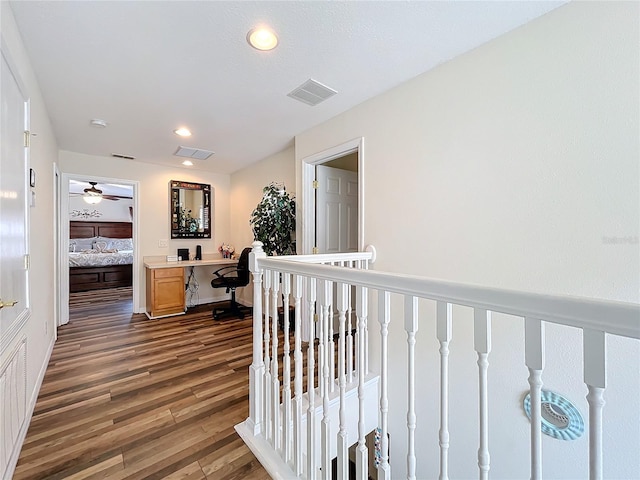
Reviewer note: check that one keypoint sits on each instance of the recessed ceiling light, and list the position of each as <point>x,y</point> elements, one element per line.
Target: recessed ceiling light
<point>262,38</point>
<point>96,122</point>
<point>188,163</point>
<point>183,132</point>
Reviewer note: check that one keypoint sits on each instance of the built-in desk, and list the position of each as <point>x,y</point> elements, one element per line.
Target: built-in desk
<point>166,285</point>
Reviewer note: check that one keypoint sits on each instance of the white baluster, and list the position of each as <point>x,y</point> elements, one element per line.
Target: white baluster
<point>297,357</point>
<point>356,343</point>
<point>343,443</point>
<point>286,370</point>
<point>482,343</point>
<point>443,331</point>
<point>256,371</point>
<point>322,345</point>
<point>362,465</point>
<point>365,266</point>
<point>268,419</point>
<point>332,349</point>
<point>411,326</point>
<point>312,468</point>
<point>275,374</point>
<point>349,340</point>
<point>325,303</point>
<point>595,377</point>
<point>384,316</point>
<point>534,358</point>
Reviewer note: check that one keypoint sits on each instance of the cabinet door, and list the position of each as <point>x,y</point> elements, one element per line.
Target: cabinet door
<point>169,294</point>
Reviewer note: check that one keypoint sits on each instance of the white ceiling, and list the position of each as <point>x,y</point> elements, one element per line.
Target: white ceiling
<point>147,68</point>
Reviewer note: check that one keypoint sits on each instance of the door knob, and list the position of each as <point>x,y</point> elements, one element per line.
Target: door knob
<point>10,303</point>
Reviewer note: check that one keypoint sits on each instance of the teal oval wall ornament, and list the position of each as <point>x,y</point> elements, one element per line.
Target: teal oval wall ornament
<point>560,418</point>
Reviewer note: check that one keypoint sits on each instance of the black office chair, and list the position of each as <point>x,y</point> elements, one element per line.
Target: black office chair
<point>232,277</point>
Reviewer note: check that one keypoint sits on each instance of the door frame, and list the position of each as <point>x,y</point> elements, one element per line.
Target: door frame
<point>307,219</point>
<point>63,236</point>
<point>59,245</point>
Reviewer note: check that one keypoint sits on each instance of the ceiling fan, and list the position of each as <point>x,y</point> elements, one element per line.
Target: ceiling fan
<point>93,195</point>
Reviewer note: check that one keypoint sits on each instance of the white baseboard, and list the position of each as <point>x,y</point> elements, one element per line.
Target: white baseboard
<point>272,463</point>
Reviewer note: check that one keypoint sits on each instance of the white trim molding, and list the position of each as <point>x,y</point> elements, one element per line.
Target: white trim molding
<point>307,206</point>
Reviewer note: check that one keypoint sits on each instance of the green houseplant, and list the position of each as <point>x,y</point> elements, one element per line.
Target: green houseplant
<point>274,220</point>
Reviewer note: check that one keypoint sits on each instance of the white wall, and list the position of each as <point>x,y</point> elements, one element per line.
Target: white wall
<point>515,165</point>
<point>246,193</point>
<point>109,210</point>
<point>39,330</point>
<point>154,208</point>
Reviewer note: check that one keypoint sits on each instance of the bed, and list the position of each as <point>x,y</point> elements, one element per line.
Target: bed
<point>100,255</point>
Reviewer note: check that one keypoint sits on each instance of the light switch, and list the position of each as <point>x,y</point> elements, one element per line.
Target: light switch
<point>163,244</point>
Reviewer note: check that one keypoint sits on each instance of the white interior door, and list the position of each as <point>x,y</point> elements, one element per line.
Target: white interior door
<point>336,210</point>
<point>13,207</point>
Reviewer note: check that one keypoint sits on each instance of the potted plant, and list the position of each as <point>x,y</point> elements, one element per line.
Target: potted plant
<point>274,220</point>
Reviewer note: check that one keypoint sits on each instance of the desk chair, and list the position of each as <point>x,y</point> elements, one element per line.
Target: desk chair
<point>232,277</point>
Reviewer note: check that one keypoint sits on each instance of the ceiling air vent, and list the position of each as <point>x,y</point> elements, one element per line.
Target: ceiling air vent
<point>312,92</point>
<point>197,153</point>
<point>126,157</point>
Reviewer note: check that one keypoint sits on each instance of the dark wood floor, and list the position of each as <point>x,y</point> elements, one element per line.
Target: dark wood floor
<point>128,397</point>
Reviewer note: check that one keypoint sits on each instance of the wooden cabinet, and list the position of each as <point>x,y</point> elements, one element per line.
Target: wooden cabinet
<point>165,292</point>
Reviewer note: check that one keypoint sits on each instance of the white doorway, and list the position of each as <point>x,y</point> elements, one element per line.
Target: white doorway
<point>64,234</point>
<point>348,153</point>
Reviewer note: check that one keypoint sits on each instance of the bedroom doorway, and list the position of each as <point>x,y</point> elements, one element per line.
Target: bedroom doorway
<point>98,245</point>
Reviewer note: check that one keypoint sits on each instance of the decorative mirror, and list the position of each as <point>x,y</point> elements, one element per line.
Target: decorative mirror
<point>190,210</point>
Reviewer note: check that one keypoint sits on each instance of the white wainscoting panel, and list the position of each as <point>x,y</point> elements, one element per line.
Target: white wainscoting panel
<point>13,402</point>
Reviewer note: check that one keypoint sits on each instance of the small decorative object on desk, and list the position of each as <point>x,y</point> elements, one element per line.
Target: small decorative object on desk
<point>226,250</point>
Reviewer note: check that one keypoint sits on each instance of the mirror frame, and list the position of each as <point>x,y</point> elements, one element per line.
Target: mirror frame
<point>174,212</point>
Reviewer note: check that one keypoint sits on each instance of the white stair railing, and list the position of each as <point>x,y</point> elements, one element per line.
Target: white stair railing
<point>534,358</point>
<point>335,411</point>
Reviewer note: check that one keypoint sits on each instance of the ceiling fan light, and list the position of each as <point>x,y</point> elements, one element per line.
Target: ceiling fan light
<point>92,199</point>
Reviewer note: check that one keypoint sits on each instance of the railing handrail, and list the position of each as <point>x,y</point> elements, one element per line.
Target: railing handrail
<point>617,318</point>
<point>327,257</point>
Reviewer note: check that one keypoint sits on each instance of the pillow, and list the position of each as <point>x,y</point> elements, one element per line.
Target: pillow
<point>80,244</point>
<point>117,243</point>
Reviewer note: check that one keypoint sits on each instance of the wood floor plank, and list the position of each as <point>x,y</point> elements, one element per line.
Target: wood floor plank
<point>190,472</point>
<point>125,397</point>
<point>100,470</point>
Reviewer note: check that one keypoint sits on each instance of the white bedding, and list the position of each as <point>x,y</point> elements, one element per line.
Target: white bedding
<point>122,257</point>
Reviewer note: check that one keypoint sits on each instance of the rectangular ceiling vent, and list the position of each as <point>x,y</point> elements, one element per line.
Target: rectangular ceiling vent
<point>196,153</point>
<point>126,157</point>
<point>312,92</point>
